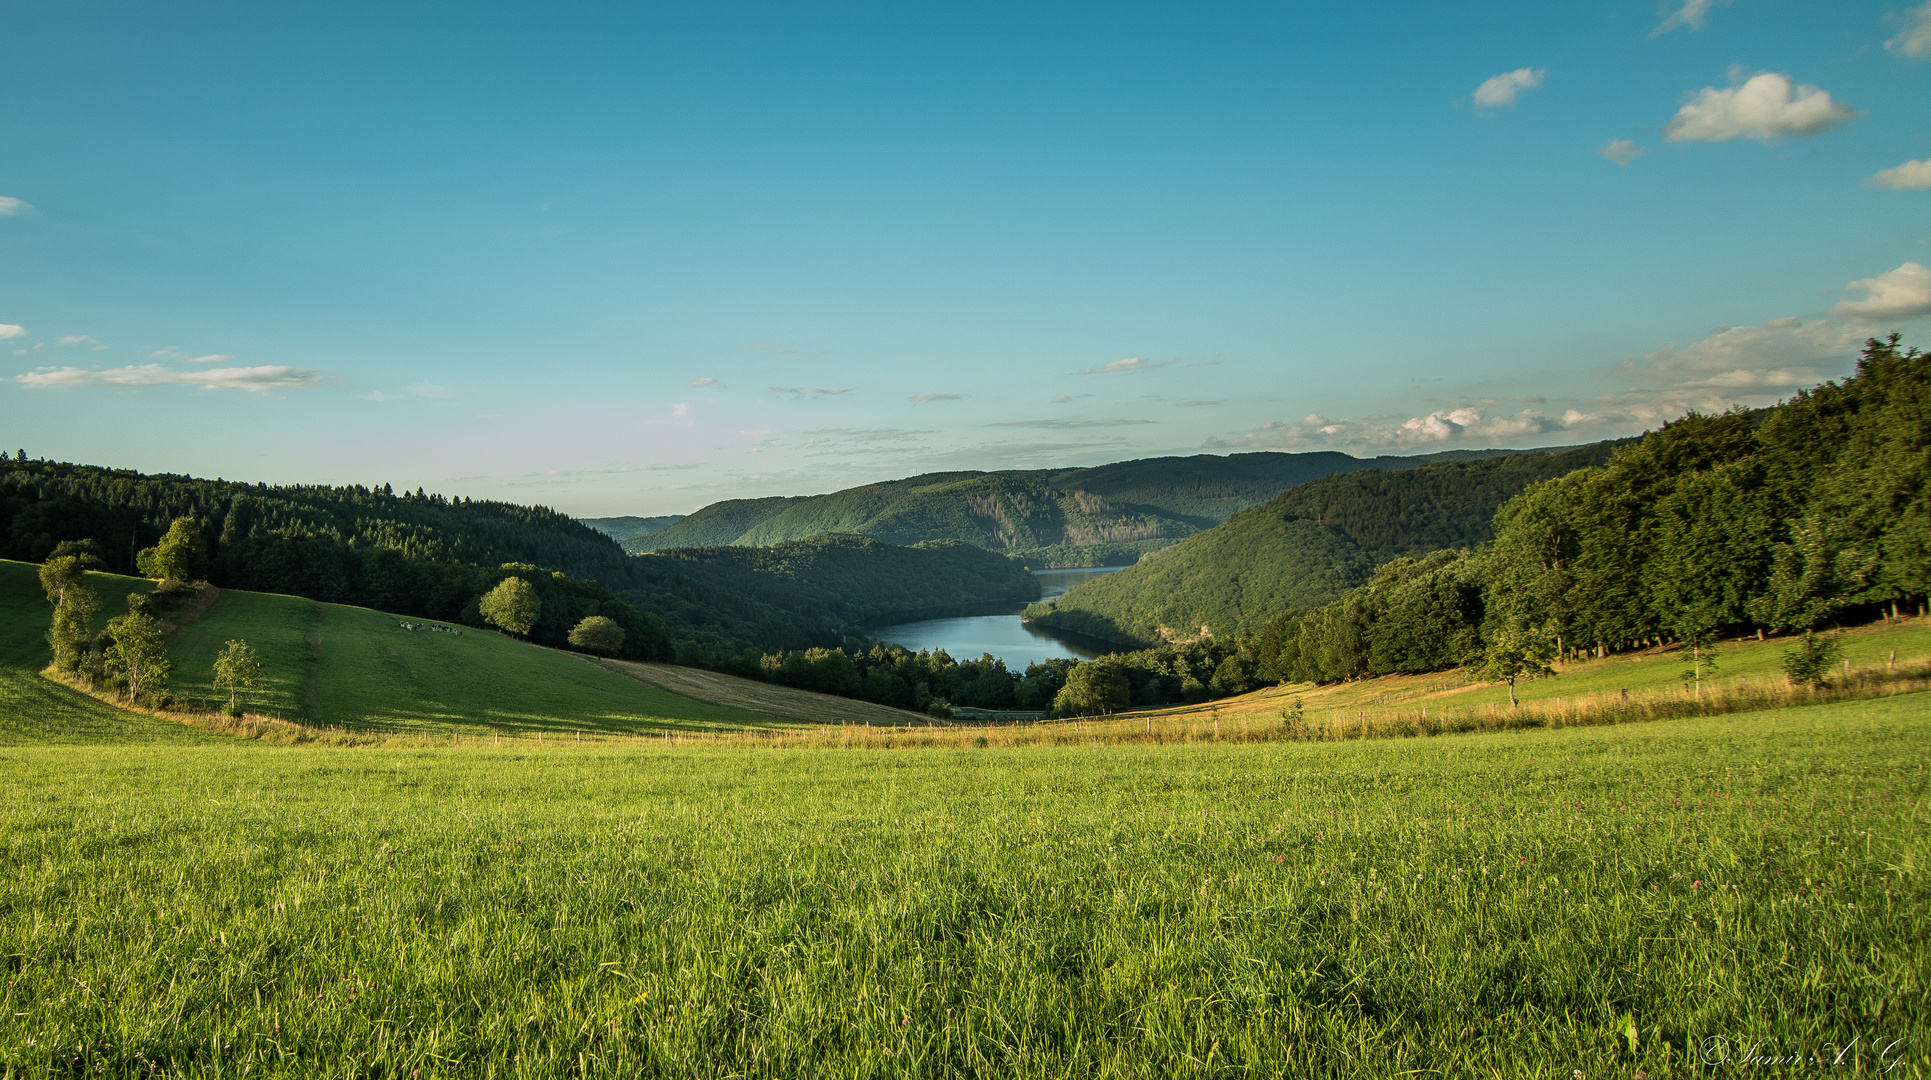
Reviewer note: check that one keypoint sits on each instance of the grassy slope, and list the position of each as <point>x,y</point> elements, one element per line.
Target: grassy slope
<point>333,665</point>
<point>34,709</point>
<point>1490,905</point>
<point>1647,671</point>
<point>1303,548</point>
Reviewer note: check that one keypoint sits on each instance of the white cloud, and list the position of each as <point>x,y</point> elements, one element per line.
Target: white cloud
<point>680,408</point>
<point>80,339</point>
<point>9,331</point>
<point>1781,353</point>
<point>211,358</point>
<point>1766,108</point>
<point>260,379</point>
<point>1910,176</point>
<point>9,206</point>
<point>707,381</point>
<point>1914,40</point>
<point>1904,293</point>
<point>1499,90</point>
<point>1693,14</point>
<point>926,399</point>
<point>1131,363</point>
<point>1622,151</point>
<point>800,392</point>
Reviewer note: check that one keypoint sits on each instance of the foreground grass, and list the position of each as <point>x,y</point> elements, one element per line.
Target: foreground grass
<point>1519,904</point>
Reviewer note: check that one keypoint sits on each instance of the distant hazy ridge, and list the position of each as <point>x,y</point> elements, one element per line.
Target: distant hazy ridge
<point>1105,515</point>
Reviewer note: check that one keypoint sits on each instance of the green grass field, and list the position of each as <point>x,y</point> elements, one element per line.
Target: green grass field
<point>329,665</point>
<point>1535,903</point>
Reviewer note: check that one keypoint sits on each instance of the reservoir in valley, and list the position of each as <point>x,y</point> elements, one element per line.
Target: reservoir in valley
<point>1003,634</point>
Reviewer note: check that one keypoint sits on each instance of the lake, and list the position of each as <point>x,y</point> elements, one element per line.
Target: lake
<point>1003,634</point>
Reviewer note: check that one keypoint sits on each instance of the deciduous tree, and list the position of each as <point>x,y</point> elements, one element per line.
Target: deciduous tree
<point>237,669</point>
<point>512,605</point>
<point>598,633</point>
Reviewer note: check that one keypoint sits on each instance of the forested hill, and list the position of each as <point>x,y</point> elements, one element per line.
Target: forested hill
<point>1304,548</point>
<point>626,531</point>
<point>1106,515</point>
<point>430,556</point>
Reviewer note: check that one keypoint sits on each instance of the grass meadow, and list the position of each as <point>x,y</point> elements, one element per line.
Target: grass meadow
<point>1689,898</point>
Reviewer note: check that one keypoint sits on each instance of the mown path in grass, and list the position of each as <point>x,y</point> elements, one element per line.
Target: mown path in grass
<point>1517,904</point>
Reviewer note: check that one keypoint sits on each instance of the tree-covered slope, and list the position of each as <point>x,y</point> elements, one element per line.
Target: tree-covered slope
<point>713,526</point>
<point>1108,514</point>
<point>1304,548</point>
<point>626,531</point>
<point>854,580</point>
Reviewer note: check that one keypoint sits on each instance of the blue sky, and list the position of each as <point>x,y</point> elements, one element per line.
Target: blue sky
<point>634,259</point>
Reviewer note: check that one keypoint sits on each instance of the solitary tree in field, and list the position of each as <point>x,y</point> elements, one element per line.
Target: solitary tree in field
<point>237,669</point>
<point>1513,655</point>
<point>1811,662</point>
<point>178,554</point>
<point>1093,689</point>
<point>598,633</point>
<point>138,655</point>
<point>512,605</point>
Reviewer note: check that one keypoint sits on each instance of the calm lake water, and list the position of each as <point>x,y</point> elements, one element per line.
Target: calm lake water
<point>1002,635</point>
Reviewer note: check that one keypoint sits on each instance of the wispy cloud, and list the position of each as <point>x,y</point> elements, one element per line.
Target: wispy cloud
<point>261,379</point>
<point>1062,425</point>
<point>9,331</point>
<point>1766,107</point>
<point>423,389</point>
<point>1692,14</point>
<point>1914,40</point>
<point>80,339</point>
<point>211,358</point>
<point>1622,151</point>
<point>1910,176</point>
<point>1131,363</point>
<point>1773,357</point>
<point>927,399</point>
<point>800,392</point>
<point>1065,399</point>
<point>1199,404</point>
<point>1498,91</point>
<point>782,348</point>
<point>1904,293</point>
<point>9,206</point>
<point>707,383</point>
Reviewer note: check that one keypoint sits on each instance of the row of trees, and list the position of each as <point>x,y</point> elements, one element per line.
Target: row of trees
<point>128,657</point>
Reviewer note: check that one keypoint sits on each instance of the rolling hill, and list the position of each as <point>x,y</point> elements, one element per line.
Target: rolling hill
<point>1105,515</point>
<point>1304,548</point>
<point>334,665</point>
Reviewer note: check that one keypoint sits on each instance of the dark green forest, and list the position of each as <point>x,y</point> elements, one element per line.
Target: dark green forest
<point>1108,515</point>
<point>1304,548</point>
